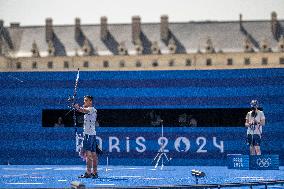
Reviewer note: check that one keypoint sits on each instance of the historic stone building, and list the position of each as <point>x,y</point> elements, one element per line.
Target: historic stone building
<point>143,46</point>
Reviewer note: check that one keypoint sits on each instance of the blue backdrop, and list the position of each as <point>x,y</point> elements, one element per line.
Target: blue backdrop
<point>25,94</point>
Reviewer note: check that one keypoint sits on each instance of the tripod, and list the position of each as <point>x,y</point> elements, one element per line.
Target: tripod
<point>161,155</point>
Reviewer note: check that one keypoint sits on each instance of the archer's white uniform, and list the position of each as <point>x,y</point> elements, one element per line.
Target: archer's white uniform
<point>90,119</point>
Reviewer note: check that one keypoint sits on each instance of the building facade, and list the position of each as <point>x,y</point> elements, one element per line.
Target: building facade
<point>143,46</point>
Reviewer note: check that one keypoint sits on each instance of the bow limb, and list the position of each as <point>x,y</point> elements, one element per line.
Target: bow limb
<point>74,99</point>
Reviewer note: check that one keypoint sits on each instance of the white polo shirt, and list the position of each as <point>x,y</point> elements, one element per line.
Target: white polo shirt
<point>258,118</point>
<point>90,121</point>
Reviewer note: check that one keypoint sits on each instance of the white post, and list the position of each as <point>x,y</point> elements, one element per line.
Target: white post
<point>107,164</point>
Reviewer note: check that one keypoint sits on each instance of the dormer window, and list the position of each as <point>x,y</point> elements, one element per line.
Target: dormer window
<point>86,48</point>
<point>172,46</point>
<point>155,48</point>
<point>51,49</point>
<point>248,45</point>
<point>1,46</point>
<point>264,46</point>
<point>281,44</point>
<point>209,48</point>
<point>139,47</point>
<point>122,49</point>
<point>34,50</point>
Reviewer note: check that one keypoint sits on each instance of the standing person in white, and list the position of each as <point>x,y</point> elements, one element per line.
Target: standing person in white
<point>255,119</point>
<point>89,143</point>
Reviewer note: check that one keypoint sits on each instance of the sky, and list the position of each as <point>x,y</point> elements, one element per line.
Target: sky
<point>34,12</point>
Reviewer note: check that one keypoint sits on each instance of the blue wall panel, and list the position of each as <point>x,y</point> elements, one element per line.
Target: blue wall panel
<point>25,94</point>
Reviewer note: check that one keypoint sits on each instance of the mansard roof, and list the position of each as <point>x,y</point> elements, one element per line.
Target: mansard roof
<point>190,37</point>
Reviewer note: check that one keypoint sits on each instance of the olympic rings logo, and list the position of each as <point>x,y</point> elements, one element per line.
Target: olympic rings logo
<point>263,162</point>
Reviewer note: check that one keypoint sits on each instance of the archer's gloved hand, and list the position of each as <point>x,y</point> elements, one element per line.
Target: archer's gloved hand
<point>76,106</point>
